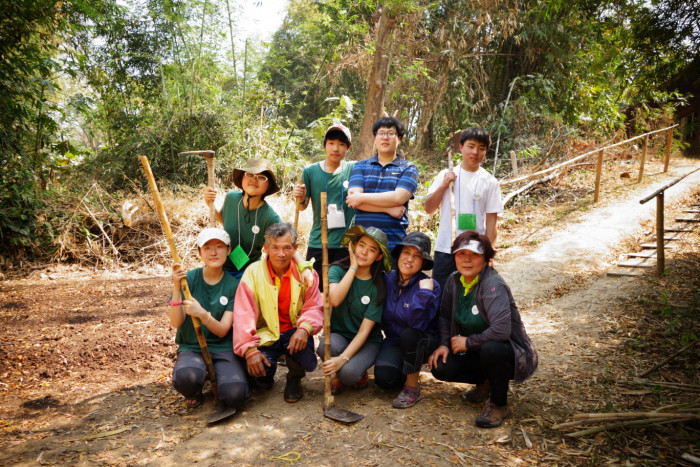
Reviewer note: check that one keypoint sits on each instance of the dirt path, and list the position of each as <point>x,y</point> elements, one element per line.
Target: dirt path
<point>88,360</point>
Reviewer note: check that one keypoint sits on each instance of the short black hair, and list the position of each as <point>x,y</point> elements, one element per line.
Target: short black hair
<point>336,135</point>
<point>478,134</point>
<point>389,122</point>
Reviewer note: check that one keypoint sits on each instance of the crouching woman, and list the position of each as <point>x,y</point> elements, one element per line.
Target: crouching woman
<point>482,338</point>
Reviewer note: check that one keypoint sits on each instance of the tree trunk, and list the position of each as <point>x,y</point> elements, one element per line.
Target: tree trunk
<point>376,87</point>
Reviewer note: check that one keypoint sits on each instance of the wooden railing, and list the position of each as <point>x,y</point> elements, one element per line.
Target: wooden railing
<point>599,165</point>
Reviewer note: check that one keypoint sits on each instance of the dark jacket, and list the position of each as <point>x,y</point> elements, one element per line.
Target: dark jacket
<point>497,307</point>
<point>415,308</point>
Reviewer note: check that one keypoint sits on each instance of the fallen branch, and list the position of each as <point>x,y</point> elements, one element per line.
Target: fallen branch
<point>666,360</point>
<point>114,249</point>
<point>614,421</point>
<point>515,193</point>
<point>681,386</point>
<point>615,426</point>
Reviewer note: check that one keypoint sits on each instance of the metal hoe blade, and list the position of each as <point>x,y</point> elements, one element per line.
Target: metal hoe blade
<point>341,415</point>
<point>221,414</point>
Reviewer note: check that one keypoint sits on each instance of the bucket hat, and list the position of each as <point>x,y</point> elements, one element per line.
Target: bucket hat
<point>355,233</point>
<point>418,240</point>
<point>255,166</point>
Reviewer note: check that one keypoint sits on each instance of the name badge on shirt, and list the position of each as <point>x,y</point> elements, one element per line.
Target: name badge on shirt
<point>336,218</point>
<point>466,222</point>
<point>239,257</point>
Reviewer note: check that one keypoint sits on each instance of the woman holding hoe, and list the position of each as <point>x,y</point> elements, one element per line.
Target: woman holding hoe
<point>245,216</point>
<point>212,302</point>
<point>409,320</point>
<point>357,293</point>
<point>482,339</point>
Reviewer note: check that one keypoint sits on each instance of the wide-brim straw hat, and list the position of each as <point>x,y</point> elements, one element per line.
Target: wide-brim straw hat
<point>255,166</point>
<point>355,233</point>
<point>418,240</point>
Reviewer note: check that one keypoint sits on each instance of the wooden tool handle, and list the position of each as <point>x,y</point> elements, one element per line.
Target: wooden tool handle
<point>453,215</point>
<point>185,288</point>
<point>211,181</point>
<point>327,396</point>
<point>298,208</point>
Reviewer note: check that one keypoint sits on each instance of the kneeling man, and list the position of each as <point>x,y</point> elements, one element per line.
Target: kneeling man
<point>274,315</point>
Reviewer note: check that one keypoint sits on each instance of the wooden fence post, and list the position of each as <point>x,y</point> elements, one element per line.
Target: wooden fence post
<point>644,158</point>
<point>660,254</point>
<point>669,141</point>
<point>598,171</point>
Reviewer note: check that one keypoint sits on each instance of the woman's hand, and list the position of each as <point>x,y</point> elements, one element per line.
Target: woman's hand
<point>353,258</point>
<point>178,274</point>
<point>333,365</point>
<point>307,278</point>
<point>440,352</point>
<point>299,191</point>
<point>209,195</point>
<point>459,344</point>
<point>426,284</point>
<point>193,308</point>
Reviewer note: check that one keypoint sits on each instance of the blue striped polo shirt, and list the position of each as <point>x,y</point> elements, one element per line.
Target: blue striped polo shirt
<point>372,177</point>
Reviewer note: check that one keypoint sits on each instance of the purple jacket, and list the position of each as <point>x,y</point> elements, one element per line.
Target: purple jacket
<point>413,308</point>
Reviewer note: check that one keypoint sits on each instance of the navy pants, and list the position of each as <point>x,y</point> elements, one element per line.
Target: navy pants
<point>394,362</point>
<point>297,364</point>
<point>494,361</point>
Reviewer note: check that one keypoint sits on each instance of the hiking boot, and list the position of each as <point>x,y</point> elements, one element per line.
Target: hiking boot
<point>478,394</point>
<point>293,392</point>
<point>492,416</point>
<point>408,397</point>
<point>363,382</point>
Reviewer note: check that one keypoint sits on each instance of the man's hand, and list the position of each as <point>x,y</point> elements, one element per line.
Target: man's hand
<point>396,211</point>
<point>256,365</point>
<point>459,344</point>
<point>354,199</point>
<point>448,178</point>
<point>299,191</point>
<point>298,341</point>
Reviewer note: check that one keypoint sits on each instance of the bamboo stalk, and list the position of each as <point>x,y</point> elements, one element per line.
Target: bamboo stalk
<point>327,395</point>
<point>615,426</point>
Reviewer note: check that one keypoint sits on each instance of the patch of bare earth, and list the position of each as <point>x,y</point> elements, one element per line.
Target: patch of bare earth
<point>86,361</point>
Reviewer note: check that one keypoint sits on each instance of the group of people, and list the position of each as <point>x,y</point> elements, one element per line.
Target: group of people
<point>386,311</point>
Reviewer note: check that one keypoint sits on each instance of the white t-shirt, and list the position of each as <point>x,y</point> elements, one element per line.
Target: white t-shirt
<point>475,193</point>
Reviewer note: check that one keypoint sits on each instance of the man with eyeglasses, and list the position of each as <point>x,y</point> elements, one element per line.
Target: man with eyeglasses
<point>275,316</point>
<point>381,186</point>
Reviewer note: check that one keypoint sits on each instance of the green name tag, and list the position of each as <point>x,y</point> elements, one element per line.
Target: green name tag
<point>466,222</point>
<point>239,257</point>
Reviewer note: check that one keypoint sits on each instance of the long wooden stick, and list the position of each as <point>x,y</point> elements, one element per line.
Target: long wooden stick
<point>211,181</point>
<point>296,212</point>
<point>453,215</point>
<point>185,288</point>
<point>327,395</point>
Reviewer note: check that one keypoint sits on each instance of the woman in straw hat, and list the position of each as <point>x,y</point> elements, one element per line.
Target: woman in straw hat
<point>245,215</point>
<point>409,320</point>
<point>357,293</point>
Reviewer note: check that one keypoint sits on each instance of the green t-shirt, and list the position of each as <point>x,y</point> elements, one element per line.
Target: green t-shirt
<point>216,299</point>
<point>347,317</point>
<point>234,214</point>
<point>467,316</point>
<point>317,181</point>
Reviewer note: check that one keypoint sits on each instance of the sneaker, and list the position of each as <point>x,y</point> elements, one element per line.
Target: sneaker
<point>478,394</point>
<point>363,382</point>
<point>408,397</point>
<point>492,416</point>
<point>336,386</point>
<point>293,392</point>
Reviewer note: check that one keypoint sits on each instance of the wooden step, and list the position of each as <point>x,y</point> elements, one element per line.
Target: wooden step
<point>677,229</point>
<point>653,245</point>
<point>637,263</point>
<point>666,239</point>
<point>687,219</point>
<point>691,210</point>
<point>622,272</point>
<point>647,254</point>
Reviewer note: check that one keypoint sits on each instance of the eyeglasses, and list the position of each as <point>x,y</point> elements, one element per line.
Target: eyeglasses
<point>386,134</point>
<point>256,177</point>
